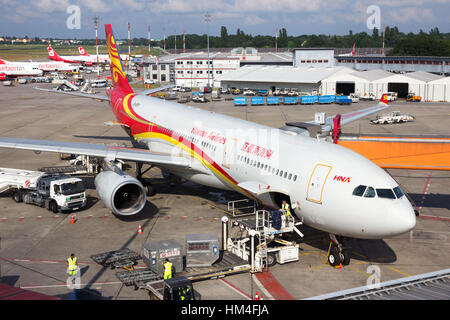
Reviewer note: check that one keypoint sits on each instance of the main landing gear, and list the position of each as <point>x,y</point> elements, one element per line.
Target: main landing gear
<point>338,253</point>
<point>146,182</point>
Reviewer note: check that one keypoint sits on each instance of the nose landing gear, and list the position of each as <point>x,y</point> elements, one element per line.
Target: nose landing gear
<point>338,253</point>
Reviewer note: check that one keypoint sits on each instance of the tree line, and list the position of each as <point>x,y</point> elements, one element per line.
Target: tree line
<point>432,43</point>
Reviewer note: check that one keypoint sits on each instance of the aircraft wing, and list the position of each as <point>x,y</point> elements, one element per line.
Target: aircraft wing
<point>150,91</point>
<point>95,150</point>
<point>352,116</point>
<point>77,94</point>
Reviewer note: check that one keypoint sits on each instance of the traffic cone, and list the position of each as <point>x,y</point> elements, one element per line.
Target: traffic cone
<point>140,230</point>
<point>256,296</point>
<point>261,298</point>
<point>72,221</point>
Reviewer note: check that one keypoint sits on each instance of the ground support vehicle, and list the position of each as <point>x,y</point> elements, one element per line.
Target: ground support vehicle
<point>53,191</point>
<point>392,117</point>
<point>263,247</point>
<point>413,98</point>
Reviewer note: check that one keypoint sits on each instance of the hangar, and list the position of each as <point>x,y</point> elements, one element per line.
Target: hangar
<point>304,79</point>
<point>438,90</point>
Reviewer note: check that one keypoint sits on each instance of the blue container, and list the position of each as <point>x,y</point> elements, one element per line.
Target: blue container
<point>290,100</point>
<point>240,101</point>
<point>315,98</point>
<point>272,101</point>
<point>257,101</point>
<point>307,100</point>
<point>326,99</point>
<point>343,100</point>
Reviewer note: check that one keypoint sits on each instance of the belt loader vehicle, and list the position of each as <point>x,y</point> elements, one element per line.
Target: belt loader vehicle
<point>54,192</point>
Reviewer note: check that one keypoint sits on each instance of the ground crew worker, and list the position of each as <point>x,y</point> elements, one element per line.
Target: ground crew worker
<point>286,212</point>
<point>73,265</point>
<point>167,270</point>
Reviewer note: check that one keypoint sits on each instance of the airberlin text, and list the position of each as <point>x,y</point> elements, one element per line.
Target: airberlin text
<point>234,309</point>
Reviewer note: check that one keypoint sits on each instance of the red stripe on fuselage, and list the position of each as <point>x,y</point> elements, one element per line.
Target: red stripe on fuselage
<point>117,97</point>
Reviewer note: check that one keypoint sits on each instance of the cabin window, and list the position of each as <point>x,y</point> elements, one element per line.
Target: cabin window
<point>290,176</point>
<point>295,177</point>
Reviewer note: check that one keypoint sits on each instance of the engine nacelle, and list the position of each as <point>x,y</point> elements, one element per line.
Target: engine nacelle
<point>121,193</point>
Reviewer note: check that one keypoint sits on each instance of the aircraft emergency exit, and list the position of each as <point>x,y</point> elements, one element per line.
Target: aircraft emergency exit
<point>330,187</point>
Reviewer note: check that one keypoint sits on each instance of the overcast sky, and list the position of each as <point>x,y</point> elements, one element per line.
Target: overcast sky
<point>49,18</point>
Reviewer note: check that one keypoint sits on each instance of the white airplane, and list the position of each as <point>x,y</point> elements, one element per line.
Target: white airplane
<point>102,58</point>
<point>15,69</point>
<point>329,187</point>
<point>50,66</point>
<point>52,55</point>
<point>351,54</point>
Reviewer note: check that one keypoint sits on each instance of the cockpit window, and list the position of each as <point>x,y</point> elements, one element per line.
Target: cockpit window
<point>385,193</point>
<point>398,192</point>
<point>370,193</point>
<point>359,190</point>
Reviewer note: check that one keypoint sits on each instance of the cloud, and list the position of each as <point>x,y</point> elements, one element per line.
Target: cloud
<point>50,6</point>
<point>412,15</point>
<point>252,20</point>
<point>97,6</point>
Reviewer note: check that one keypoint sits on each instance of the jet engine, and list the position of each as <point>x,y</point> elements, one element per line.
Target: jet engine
<point>121,193</point>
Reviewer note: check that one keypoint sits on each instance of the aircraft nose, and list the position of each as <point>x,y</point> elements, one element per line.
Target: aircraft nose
<point>405,218</point>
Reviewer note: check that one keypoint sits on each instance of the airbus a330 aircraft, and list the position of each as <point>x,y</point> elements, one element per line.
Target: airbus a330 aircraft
<point>331,188</point>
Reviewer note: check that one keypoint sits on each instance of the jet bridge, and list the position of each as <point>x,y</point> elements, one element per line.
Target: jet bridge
<point>401,152</point>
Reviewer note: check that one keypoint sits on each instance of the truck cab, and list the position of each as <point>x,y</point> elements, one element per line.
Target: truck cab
<point>62,193</point>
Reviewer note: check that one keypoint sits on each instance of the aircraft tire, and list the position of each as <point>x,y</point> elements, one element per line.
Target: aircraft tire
<point>347,253</point>
<point>334,258</point>
<point>271,259</point>
<point>150,189</point>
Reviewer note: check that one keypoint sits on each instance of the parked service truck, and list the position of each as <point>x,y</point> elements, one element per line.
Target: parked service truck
<point>54,192</point>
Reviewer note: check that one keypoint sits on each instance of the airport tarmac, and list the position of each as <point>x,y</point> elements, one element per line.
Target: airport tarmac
<point>35,243</point>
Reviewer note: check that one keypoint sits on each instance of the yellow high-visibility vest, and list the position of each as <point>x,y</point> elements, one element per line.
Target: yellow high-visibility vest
<point>285,207</point>
<point>167,270</point>
<point>72,266</point>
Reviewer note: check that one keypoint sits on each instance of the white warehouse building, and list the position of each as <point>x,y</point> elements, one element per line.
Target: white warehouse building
<point>304,79</point>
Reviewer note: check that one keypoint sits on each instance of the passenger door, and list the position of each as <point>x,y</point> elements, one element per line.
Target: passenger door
<point>316,183</point>
<point>229,152</point>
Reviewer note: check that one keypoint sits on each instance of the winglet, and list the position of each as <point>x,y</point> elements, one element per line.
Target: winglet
<point>118,76</point>
<point>384,99</point>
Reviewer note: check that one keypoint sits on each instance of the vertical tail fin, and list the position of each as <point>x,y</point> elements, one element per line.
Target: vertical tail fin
<point>82,51</point>
<point>118,76</point>
<point>2,61</point>
<point>52,54</point>
<point>384,98</point>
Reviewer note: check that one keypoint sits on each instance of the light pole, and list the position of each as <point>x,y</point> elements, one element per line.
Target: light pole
<point>207,20</point>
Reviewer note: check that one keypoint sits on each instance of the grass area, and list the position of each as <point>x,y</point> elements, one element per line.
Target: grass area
<point>26,52</point>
